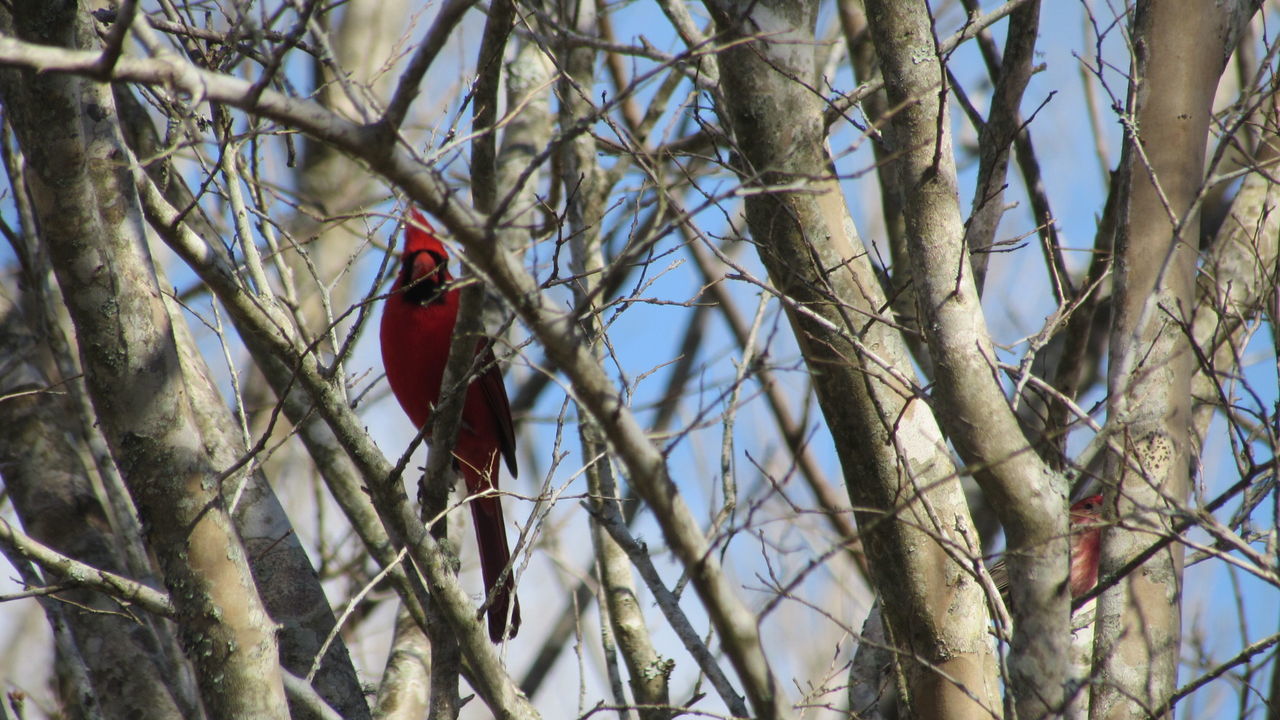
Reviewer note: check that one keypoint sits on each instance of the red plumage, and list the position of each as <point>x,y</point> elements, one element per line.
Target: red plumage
<point>1086,544</point>
<point>417,326</point>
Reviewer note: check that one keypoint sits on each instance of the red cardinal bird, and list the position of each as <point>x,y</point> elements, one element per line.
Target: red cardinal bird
<point>417,326</point>
<point>1086,544</point>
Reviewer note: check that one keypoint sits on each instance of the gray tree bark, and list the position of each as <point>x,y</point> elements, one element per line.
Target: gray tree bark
<point>92,221</point>
<point>1181,49</point>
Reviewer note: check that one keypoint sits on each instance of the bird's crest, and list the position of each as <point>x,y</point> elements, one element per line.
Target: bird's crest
<point>420,234</point>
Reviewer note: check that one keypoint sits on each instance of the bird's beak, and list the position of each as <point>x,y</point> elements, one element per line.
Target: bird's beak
<point>425,266</point>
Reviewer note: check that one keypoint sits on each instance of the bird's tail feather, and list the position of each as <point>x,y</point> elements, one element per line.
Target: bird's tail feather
<point>495,554</point>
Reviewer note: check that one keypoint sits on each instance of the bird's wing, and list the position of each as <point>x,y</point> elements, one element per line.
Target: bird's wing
<point>495,398</point>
